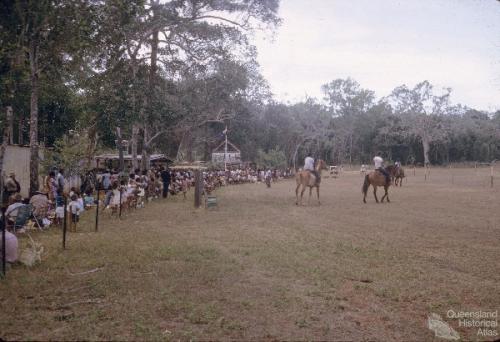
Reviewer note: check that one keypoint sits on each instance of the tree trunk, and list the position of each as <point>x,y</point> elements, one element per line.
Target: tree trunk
<point>133,145</point>
<point>33,55</point>
<point>93,139</point>
<point>20,132</point>
<point>145,150</point>
<point>2,154</point>
<point>9,134</point>
<point>151,92</point>
<point>426,147</point>
<point>119,144</point>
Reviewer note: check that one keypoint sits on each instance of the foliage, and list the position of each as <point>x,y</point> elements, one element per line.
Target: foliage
<point>172,74</point>
<point>273,159</point>
<point>71,152</point>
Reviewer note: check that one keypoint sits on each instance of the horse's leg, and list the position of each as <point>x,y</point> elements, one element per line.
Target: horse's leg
<point>310,192</point>
<point>297,194</point>
<point>387,193</point>
<point>364,196</point>
<point>375,192</point>
<point>317,192</point>
<point>302,193</point>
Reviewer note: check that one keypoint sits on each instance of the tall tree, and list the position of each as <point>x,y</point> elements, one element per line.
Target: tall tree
<point>422,111</point>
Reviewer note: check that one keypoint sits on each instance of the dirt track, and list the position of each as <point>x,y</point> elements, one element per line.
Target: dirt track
<point>260,267</point>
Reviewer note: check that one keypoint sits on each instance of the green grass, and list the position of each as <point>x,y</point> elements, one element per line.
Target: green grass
<point>260,267</point>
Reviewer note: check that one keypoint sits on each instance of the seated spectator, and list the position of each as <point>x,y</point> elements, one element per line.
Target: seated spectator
<point>88,199</point>
<point>11,247</point>
<point>40,204</point>
<point>12,210</point>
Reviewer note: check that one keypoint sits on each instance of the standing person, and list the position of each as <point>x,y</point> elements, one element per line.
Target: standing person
<point>11,187</point>
<point>59,203</point>
<point>75,207</point>
<point>268,178</point>
<point>379,166</point>
<point>51,184</point>
<point>165,177</point>
<point>60,180</point>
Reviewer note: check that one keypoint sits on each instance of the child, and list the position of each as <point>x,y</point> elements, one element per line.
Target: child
<point>114,202</point>
<point>59,207</point>
<point>75,207</point>
<point>88,200</point>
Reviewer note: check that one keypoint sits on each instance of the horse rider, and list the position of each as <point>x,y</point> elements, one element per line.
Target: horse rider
<point>379,166</point>
<point>309,166</point>
<point>397,164</point>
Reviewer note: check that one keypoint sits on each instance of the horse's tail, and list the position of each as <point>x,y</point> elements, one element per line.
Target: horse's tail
<point>366,184</point>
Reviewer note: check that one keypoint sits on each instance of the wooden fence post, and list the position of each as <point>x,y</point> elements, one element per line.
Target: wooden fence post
<point>65,223</point>
<point>4,254</point>
<point>491,173</point>
<point>97,210</point>
<point>197,188</point>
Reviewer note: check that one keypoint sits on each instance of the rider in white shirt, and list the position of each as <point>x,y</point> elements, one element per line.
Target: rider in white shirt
<point>309,163</point>
<point>379,165</point>
<point>309,166</point>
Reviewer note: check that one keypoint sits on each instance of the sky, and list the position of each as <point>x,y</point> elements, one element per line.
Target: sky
<point>383,44</point>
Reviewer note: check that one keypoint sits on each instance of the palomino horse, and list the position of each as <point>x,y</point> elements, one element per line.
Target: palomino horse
<point>376,178</point>
<point>307,179</point>
<point>396,173</point>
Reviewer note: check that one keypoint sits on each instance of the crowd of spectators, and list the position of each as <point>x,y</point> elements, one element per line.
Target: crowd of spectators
<point>117,192</point>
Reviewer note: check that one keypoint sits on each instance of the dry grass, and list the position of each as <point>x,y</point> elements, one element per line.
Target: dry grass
<point>261,268</point>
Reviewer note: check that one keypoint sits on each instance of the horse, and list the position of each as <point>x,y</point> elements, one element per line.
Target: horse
<point>396,173</point>
<point>376,178</point>
<point>306,179</point>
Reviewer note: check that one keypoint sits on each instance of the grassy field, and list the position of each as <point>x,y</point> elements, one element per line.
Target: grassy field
<point>260,267</point>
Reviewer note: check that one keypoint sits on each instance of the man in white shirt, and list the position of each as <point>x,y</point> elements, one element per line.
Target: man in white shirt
<point>379,166</point>
<point>309,163</point>
<point>309,166</point>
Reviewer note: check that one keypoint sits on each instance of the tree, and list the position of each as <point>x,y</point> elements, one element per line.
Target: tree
<point>47,32</point>
<point>422,112</point>
<point>273,159</point>
<point>346,102</point>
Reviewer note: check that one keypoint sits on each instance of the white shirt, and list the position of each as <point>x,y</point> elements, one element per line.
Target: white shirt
<point>75,206</point>
<point>309,164</point>
<point>378,162</point>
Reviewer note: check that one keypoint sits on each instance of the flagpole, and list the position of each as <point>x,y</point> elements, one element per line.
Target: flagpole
<point>225,151</point>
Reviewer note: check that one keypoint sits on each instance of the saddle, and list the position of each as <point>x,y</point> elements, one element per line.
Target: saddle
<point>317,178</point>
<point>387,177</point>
